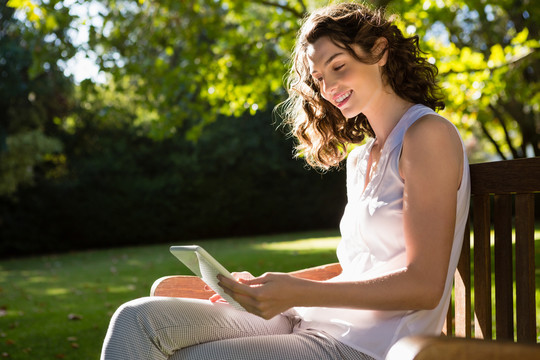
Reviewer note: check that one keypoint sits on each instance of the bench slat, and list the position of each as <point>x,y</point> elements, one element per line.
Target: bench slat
<point>482,268</point>
<point>504,314</point>
<point>448,322</point>
<point>462,290</point>
<point>525,296</point>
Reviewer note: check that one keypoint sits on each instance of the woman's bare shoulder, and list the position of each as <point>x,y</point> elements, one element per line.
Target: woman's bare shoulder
<point>432,143</point>
<point>434,125</point>
<point>433,132</point>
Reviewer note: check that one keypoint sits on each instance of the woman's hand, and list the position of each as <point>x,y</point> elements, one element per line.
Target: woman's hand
<point>265,296</point>
<point>216,298</point>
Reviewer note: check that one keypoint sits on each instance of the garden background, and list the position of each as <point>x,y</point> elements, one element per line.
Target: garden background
<point>136,122</point>
<point>142,122</point>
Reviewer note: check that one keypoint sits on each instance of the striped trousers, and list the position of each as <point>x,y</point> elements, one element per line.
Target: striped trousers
<point>176,329</point>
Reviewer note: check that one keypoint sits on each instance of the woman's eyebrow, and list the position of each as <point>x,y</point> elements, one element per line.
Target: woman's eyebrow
<point>329,60</point>
<point>332,58</point>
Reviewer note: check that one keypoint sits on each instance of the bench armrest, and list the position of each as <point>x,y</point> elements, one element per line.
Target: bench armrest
<point>181,286</point>
<point>193,287</point>
<point>320,273</point>
<point>446,348</point>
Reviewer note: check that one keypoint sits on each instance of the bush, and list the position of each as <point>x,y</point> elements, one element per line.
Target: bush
<point>123,188</point>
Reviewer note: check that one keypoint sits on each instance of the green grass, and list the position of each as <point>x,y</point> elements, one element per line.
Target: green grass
<point>59,306</point>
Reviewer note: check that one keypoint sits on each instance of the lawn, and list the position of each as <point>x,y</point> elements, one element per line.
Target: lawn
<point>59,306</point>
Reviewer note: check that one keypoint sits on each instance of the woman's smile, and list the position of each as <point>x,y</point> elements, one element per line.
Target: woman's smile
<point>343,98</point>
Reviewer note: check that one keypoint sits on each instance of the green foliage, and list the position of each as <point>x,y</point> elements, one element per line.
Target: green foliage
<point>488,54</point>
<point>186,63</point>
<point>25,151</point>
<point>121,187</point>
<point>33,92</point>
<point>197,59</point>
<point>114,184</point>
<point>141,156</point>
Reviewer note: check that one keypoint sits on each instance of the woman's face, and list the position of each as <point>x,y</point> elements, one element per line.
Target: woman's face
<point>352,86</point>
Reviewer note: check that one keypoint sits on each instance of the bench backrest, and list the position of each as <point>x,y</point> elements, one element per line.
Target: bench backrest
<point>502,201</point>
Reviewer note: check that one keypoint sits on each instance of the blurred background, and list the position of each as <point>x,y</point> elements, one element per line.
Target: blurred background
<point>129,122</point>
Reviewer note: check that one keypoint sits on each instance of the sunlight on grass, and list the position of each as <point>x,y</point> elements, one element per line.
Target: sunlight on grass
<point>39,279</point>
<point>121,289</point>
<point>329,243</point>
<point>73,296</point>
<point>56,291</point>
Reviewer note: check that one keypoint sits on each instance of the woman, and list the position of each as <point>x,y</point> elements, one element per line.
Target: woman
<point>354,75</point>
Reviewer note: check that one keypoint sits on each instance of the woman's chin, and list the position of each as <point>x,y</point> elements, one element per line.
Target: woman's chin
<point>349,114</point>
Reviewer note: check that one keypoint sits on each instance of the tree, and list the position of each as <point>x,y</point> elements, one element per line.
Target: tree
<point>33,94</point>
<point>190,61</point>
<point>489,60</point>
<point>198,59</point>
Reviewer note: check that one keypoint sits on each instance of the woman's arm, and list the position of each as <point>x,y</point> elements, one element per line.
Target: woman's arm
<point>431,166</point>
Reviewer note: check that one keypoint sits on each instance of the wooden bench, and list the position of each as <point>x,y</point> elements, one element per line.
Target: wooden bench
<point>502,201</point>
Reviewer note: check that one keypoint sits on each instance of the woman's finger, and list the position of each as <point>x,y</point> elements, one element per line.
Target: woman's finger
<point>244,275</point>
<point>244,294</point>
<point>232,286</point>
<point>216,298</point>
<point>263,279</point>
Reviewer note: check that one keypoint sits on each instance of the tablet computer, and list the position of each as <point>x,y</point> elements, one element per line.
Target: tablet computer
<point>202,264</point>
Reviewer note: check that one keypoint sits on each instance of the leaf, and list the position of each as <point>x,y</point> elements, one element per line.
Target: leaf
<point>75,317</point>
<point>497,56</point>
<point>521,37</point>
<point>50,23</point>
<point>17,4</point>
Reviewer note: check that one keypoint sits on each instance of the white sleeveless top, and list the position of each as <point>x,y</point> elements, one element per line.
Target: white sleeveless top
<point>373,244</point>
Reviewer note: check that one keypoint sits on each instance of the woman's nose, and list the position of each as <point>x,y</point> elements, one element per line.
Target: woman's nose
<point>328,88</point>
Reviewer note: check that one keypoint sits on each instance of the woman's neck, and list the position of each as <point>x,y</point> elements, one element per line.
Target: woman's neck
<point>385,116</point>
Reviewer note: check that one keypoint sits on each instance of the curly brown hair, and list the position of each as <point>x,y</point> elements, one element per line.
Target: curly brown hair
<point>320,128</point>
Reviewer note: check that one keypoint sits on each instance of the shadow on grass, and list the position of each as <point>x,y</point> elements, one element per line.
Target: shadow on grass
<point>59,306</point>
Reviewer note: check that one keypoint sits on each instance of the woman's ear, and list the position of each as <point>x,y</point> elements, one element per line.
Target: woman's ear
<point>377,50</point>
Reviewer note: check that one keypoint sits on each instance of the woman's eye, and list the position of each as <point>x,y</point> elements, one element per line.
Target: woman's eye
<point>339,67</point>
